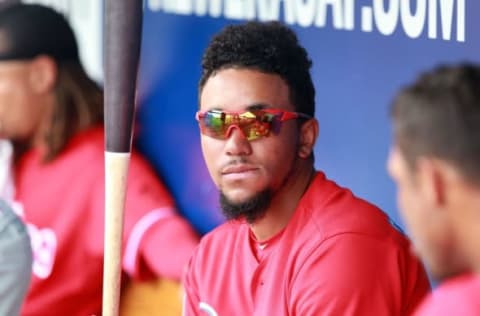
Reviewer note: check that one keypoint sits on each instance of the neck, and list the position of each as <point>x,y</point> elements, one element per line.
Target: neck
<point>283,204</point>
<point>472,236</point>
<point>466,216</point>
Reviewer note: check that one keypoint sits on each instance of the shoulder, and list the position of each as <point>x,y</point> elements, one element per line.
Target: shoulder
<point>382,276</point>
<point>457,296</point>
<point>140,165</point>
<point>332,210</point>
<point>143,181</point>
<point>85,148</point>
<point>343,238</point>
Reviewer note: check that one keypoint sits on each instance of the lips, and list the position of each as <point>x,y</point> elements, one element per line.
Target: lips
<point>236,169</point>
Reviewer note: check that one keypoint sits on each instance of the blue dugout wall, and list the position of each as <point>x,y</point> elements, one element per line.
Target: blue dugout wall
<point>362,51</point>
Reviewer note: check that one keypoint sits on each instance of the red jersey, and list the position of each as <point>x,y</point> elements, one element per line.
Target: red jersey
<point>62,202</point>
<point>457,296</point>
<point>338,255</point>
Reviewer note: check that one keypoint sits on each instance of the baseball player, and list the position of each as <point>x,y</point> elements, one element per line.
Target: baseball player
<point>435,161</point>
<point>53,114</point>
<point>295,242</point>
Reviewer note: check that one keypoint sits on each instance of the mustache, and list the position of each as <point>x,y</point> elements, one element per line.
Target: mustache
<point>235,162</point>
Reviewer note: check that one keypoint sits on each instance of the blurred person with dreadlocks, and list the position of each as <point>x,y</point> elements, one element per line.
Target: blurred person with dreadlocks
<point>52,113</point>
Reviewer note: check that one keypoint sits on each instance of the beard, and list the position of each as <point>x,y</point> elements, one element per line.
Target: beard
<point>256,207</point>
<point>252,209</point>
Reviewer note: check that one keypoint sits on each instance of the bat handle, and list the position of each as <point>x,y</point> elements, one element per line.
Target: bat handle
<point>116,173</point>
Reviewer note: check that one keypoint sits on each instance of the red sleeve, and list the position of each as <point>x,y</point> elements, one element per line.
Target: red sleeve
<point>158,242</point>
<point>353,274</point>
<point>167,246</point>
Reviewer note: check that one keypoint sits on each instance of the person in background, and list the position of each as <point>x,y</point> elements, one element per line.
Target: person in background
<point>52,113</point>
<point>435,162</point>
<point>15,248</point>
<point>295,242</point>
<point>15,260</point>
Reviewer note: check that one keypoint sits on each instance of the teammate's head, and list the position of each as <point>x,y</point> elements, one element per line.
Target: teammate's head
<point>41,73</point>
<point>435,161</point>
<point>252,154</point>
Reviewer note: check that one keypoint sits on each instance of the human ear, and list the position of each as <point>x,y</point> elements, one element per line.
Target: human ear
<point>431,177</point>
<point>43,74</point>
<point>308,137</point>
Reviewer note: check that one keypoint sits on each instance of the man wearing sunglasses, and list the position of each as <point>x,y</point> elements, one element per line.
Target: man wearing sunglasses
<point>295,243</point>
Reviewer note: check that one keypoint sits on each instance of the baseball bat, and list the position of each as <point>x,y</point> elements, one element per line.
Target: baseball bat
<point>122,38</point>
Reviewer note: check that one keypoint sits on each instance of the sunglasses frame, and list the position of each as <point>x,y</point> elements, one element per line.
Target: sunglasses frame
<point>274,124</point>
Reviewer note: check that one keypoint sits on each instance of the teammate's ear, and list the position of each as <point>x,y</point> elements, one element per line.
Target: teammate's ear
<point>43,74</point>
<point>431,177</point>
<point>308,137</point>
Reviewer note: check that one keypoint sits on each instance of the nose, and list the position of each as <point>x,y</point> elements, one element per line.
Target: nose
<point>237,144</point>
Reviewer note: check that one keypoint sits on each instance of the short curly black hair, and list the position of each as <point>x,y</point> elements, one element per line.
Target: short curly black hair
<point>270,47</point>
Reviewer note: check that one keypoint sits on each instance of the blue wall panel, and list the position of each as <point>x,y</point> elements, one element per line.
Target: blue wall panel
<point>356,72</point>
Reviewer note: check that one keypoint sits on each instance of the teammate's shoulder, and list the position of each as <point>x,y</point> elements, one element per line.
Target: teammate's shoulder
<point>456,296</point>
<point>88,143</point>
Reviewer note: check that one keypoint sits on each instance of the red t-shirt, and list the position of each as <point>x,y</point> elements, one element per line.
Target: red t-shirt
<point>339,255</point>
<point>63,205</point>
<point>457,296</point>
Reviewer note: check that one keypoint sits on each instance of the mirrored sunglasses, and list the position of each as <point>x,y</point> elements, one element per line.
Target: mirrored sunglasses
<point>252,123</point>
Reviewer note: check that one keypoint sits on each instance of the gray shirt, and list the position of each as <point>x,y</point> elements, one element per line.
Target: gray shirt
<point>15,261</point>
